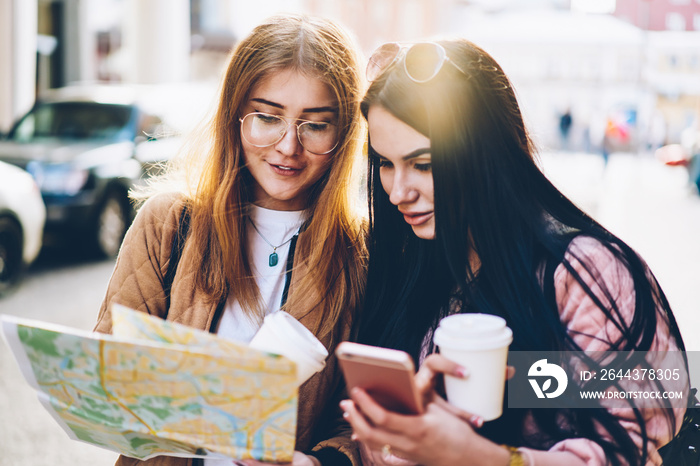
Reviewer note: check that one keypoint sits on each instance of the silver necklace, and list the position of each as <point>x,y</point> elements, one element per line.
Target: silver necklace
<point>273,258</point>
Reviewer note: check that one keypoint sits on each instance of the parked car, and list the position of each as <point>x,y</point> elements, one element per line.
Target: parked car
<point>79,144</point>
<point>22,215</point>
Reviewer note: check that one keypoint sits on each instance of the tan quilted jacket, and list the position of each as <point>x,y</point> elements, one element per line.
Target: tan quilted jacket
<point>137,282</point>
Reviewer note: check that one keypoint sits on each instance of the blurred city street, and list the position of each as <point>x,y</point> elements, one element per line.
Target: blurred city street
<point>647,204</point>
<point>592,78</point>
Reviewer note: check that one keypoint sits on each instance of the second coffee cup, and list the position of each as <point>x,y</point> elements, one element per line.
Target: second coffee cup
<point>479,343</point>
<point>284,335</point>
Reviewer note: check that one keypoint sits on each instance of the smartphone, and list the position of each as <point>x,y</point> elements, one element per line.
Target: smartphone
<point>385,374</point>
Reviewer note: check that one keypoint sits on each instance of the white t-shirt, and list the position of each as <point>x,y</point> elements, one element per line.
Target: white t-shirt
<point>277,227</point>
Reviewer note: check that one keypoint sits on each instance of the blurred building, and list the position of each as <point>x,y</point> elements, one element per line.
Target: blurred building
<point>52,43</point>
<point>660,15</point>
<point>559,60</point>
<point>673,75</point>
<point>609,62</point>
<point>18,49</point>
<point>672,59</point>
<point>627,88</point>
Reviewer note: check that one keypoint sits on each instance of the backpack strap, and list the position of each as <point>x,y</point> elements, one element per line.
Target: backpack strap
<point>288,272</point>
<point>175,253</point>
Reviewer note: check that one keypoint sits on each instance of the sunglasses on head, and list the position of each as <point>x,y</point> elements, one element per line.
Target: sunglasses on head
<point>422,61</point>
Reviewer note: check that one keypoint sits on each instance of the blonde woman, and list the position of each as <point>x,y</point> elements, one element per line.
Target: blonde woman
<point>269,191</point>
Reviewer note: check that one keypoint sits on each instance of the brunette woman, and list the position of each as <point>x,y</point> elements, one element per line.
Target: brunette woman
<point>462,220</point>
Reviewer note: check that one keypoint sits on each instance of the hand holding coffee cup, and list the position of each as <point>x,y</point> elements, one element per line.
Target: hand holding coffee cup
<point>284,335</point>
<point>479,343</point>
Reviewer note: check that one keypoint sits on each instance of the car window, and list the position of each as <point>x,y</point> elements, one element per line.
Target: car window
<point>76,120</point>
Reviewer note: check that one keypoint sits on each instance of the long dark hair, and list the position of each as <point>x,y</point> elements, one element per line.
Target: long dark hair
<point>490,196</point>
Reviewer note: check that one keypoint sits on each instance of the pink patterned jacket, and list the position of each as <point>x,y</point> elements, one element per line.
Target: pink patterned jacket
<point>593,331</point>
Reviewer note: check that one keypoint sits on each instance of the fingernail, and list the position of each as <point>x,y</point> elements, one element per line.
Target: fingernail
<point>346,414</point>
<point>476,421</point>
<point>344,405</point>
<point>462,372</point>
<point>353,437</point>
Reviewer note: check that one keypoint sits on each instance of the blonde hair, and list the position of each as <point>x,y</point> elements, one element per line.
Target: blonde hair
<point>213,176</point>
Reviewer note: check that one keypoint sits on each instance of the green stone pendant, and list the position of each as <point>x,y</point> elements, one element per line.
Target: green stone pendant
<point>273,259</point>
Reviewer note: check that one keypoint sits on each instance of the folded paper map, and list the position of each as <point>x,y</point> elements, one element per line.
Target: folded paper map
<point>159,388</point>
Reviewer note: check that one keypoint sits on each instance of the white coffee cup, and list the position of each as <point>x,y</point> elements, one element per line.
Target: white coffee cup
<point>479,343</point>
<point>284,335</point>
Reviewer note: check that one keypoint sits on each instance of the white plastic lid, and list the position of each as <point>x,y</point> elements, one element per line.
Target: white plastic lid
<point>473,332</point>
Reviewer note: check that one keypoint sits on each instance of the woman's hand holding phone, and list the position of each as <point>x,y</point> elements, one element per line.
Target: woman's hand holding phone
<point>427,438</point>
<point>437,436</point>
<point>386,374</point>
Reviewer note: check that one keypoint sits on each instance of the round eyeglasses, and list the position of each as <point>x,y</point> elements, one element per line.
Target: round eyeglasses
<point>422,61</point>
<point>263,129</point>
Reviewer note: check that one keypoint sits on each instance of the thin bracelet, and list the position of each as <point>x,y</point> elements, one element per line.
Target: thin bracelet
<point>516,457</point>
